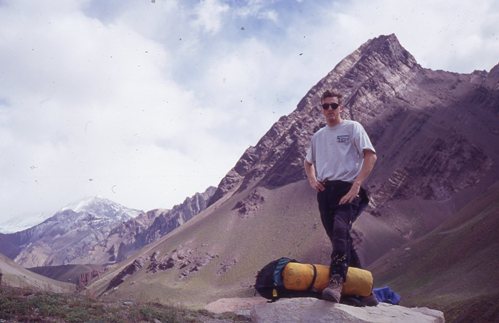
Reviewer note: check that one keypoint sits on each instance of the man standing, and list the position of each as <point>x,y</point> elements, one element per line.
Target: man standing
<point>338,161</point>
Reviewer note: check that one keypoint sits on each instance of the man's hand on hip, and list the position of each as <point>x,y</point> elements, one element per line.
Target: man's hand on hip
<point>316,185</point>
<point>351,195</point>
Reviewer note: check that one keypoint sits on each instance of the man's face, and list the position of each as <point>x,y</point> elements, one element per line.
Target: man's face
<point>332,115</point>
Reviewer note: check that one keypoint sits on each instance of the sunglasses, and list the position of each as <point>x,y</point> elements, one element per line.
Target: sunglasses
<point>326,106</point>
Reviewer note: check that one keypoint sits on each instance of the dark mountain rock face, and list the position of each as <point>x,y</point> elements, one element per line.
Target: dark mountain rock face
<point>133,236</point>
<point>180,214</point>
<point>434,131</point>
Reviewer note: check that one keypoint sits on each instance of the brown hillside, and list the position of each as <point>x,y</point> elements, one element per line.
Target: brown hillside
<point>454,267</point>
<point>15,276</point>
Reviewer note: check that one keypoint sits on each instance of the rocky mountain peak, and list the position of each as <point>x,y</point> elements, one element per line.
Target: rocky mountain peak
<point>102,208</point>
<point>378,70</point>
<point>378,55</point>
<point>389,47</point>
<point>382,84</point>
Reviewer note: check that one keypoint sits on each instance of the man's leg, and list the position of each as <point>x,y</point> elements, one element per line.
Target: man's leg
<point>343,250</point>
<point>326,201</point>
<point>354,209</point>
<point>354,257</point>
<point>359,204</point>
<point>341,242</point>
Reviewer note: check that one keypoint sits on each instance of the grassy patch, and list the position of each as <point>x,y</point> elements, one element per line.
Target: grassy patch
<point>18,304</point>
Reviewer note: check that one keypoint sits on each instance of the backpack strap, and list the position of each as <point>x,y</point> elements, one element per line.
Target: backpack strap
<point>278,283</point>
<point>311,286</point>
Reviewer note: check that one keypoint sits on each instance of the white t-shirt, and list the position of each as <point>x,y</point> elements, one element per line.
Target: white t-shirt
<point>337,152</point>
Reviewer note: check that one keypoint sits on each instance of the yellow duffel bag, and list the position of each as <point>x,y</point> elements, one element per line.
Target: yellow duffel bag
<point>300,277</point>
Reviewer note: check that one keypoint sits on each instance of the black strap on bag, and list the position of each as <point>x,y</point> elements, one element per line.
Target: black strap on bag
<point>311,286</point>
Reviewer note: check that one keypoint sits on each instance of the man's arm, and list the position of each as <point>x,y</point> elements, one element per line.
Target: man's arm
<point>367,167</point>
<point>312,180</point>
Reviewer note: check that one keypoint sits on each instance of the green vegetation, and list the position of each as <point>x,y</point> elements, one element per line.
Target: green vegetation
<point>25,305</point>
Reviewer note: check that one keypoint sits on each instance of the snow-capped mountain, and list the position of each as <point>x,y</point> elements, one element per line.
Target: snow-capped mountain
<point>96,230</point>
<point>102,208</point>
<point>69,235</point>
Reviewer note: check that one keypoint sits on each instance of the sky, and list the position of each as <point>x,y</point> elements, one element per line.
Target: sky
<point>146,102</point>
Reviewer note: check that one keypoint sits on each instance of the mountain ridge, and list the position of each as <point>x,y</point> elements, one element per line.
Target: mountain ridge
<point>96,230</point>
<point>68,233</point>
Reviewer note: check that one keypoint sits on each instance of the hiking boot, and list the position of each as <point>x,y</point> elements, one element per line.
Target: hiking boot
<point>332,292</point>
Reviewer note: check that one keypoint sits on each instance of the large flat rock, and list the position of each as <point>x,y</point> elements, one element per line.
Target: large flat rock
<point>237,305</point>
<point>315,311</point>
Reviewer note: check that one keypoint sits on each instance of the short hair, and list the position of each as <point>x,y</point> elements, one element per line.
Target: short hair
<point>331,94</point>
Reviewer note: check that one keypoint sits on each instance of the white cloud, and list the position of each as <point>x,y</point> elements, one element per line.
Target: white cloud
<point>459,36</point>
<point>88,104</point>
<point>209,15</point>
<point>271,15</point>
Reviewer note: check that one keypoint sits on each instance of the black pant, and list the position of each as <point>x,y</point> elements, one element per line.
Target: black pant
<point>338,220</point>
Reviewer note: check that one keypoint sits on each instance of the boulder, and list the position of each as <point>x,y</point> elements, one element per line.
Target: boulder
<point>316,311</point>
<point>237,305</point>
